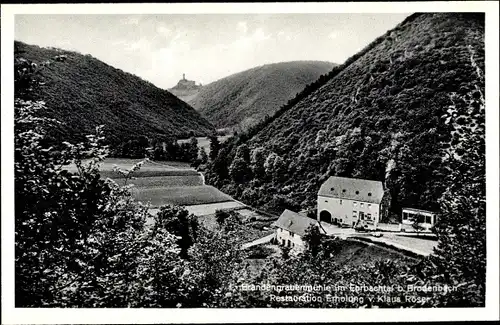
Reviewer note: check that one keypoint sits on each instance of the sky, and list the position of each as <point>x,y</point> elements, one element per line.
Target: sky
<point>206,47</point>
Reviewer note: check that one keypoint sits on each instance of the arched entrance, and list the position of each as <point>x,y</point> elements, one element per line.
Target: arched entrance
<point>325,216</point>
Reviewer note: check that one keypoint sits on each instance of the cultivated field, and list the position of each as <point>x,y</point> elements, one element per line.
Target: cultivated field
<point>160,183</point>
<point>163,181</point>
<point>184,195</point>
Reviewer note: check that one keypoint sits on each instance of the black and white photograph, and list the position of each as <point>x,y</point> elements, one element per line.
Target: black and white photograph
<point>235,157</point>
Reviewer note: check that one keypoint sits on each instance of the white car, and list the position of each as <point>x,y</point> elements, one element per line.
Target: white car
<point>377,234</point>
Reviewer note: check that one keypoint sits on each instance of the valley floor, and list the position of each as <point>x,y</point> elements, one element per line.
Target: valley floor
<point>160,183</point>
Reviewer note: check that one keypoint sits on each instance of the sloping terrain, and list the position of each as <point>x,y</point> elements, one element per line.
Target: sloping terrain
<point>246,97</point>
<point>186,95</point>
<point>83,92</point>
<point>390,113</point>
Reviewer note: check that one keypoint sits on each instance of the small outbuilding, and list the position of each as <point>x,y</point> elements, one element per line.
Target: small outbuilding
<point>416,219</point>
<point>291,228</point>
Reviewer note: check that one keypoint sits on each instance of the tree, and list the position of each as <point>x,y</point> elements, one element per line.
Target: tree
<point>257,161</point>
<point>269,163</point>
<point>285,252</point>
<point>312,238</point>
<point>220,167</point>
<point>213,260</point>
<point>193,150</point>
<point>240,170</point>
<point>321,138</point>
<point>178,222</point>
<point>221,216</point>
<point>243,152</point>
<point>214,146</point>
<point>461,225</point>
<point>133,148</point>
<point>203,156</point>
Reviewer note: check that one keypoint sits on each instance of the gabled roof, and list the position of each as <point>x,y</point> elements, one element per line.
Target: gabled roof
<point>352,189</point>
<point>295,222</point>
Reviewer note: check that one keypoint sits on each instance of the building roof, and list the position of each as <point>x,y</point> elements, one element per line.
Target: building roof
<point>418,211</point>
<point>295,223</point>
<point>352,189</point>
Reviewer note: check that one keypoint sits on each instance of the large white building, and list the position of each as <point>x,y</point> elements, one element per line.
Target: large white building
<point>350,201</point>
<point>291,227</point>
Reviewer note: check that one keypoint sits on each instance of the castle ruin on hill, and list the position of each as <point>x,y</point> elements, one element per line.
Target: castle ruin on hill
<point>186,84</point>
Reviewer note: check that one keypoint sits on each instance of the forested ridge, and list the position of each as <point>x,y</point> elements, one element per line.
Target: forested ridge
<point>83,92</point>
<point>389,113</point>
<point>245,98</point>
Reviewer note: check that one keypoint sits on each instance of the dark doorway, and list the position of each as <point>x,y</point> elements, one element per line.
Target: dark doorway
<point>325,216</point>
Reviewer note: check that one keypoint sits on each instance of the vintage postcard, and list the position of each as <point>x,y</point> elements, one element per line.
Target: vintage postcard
<point>285,162</point>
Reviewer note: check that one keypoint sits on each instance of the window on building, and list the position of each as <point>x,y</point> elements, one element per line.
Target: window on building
<point>289,243</point>
<point>361,204</point>
<point>354,203</point>
<point>354,214</point>
<point>340,202</point>
<point>405,216</point>
<point>326,201</point>
<point>421,218</point>
<point>292,234</point>
<point>369,206</point>
<point>283,242</point>
<point>368,216</point>
<point>361,215</point>
<point>428,219</point>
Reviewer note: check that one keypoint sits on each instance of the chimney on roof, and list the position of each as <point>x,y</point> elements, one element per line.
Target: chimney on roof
<point>183,76</point>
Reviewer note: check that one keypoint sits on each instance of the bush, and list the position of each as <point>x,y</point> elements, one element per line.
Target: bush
<point>259,252</point>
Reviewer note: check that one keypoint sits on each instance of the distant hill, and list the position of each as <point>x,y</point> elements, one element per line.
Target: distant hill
<point>83,92</point>
<point>186,89</point>
<point>393,112</point>
<point>247,97</point>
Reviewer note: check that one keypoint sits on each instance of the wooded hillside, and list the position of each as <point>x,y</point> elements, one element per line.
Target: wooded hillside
<point>83,92</point>
<point>394,112</point>
<point>245,98</point>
